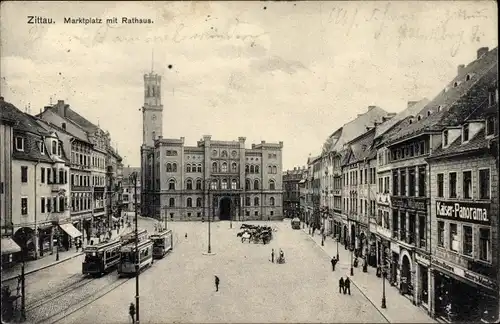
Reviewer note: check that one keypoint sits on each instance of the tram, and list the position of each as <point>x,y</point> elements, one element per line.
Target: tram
<point>162,243</point>
<point>142,234</point>
<point>128,257</point>
<point>101,258</point>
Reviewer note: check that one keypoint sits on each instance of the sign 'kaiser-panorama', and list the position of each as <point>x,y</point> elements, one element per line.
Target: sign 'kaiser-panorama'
<point>463,211</point>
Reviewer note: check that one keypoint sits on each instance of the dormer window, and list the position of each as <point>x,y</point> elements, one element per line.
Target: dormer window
<point>439,108</point>
<point>465,133</point>
<point>429,113</point>
<point>455,84</point>
<point>493,96</point>
<point>410,121</point>
<point>59,149</point>
<point>54,147</point>
<point>419,117</point>
<point>41,147</point>
<point>445,138</point>
<point>490,126</point>
<point>19,142</point>
<point>467,77</point>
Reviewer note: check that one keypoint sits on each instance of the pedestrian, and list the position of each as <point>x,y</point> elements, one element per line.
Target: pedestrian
<point>347,285</point>
<point>131,312</point>
<point>341,285</point>
<point>272,255</point>
<point>334,262</point>
<point>76,244</point>
<point>217,283</point>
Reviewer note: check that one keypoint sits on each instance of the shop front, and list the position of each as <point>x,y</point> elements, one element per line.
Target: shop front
<point>461,295</point>
<point>406,274</point>
<point>9,249</point>
<point>45,241</point>
<point>67,233</point>
<point>422,266</point>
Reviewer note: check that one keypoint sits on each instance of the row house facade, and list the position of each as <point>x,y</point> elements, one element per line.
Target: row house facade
<point>308,192</point>
<point>131,196</point>
<point>291,192</point>
<point>39,186</point>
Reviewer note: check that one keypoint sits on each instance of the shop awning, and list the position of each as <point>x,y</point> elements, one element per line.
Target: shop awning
<point>9,246</point>
<point>70,230</point>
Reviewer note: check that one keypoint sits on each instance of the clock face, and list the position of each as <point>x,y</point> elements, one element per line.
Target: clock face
<point>153,117</point>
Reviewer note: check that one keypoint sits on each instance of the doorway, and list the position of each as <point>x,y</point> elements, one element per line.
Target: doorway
<point>225,208</point>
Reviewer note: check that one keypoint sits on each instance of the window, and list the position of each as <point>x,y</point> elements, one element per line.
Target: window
<point>484,184</point>
<point>256,185</point>
<point>467,183</point>
<point>171,202</point>
<point>422,183</point>
<point>247,168</point>
<point>490,126</point>
<point>189,202</point>
<point>169,167</point>
<point>188,168</point>
<point>224,154</point>
<point>24,206</point>
<point>224,184</point>
<point>271,201</point>
<point>275,170</point>
<point>198,202</point>
<point>198,184</point>
<point>445,138</point>
<point>256,169</point>
<point>465,133</point>
<point>214,167</point>
<point>256,201</point>
<point>454,237</point>
<point>484,244</point>
<point>189,184</point>
<point>440,233</point>
<point>224,166</point>
<point>411,182</point>
<point>395,183</point>
<point>19,144</point>
<point>492,97</point>
<point>42,205</point>
<point>247,184</point>
<point>61,176</point>
<point>272,185</point>
<point>62,204</point>
<point>234,167</point>
<point>171,184</point>
<point>171,215</point>
<point>361,175</point>
<point>467,243</point>
<point>213,185</point>
<point>256,213</point>
<point>453,184</point>
<point>199,168</point>
<point>41,146</point>
<point>24,174</point>
<point>174,167</point>
<point>403,182</point>
<point>421,230</point>
<point>234,184</point>
<point>440,185</point>
<point>54,147</point>
<point>247,201</point>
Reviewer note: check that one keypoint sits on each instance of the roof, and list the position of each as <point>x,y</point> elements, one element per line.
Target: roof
<point>80,120</point>
<point>24,121</point>
<point>478,142</point>
<point>412,110</point>
<point>455,103</point>
<point>352,129</point>
<point>128,171</point>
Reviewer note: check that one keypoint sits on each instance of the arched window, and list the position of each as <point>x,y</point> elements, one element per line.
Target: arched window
<point>224,184</point>
<point>174,167</point>
<point>169,167</point>
<point>234,167</point>
<point>224,167</point>
<point>252,169</point>
<point>171,184</point>
<point>247,184</point>
<point>257,169</point>
<point>271,201</point>
<point>188,168</point>
<point>247,168</point>
<point>256,201</point>
<point>234,184</point>
<point>171,202</point>
<point>275,170</point>
<point>256,185</point>
<point>189,202</point>
<point>247,201</point>
<point>272,186</point>
<point>198,184</point>
<point>198,202</point>
<point>224,154</point>
<point>214,167</point>
<point>270,170</point>
<point>199,168</point>
<point>213,185</point>
<point>189,184</point>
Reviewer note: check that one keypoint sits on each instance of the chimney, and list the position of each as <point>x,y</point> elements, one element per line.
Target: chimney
<point>371,107</point>
<point>65,110</point>
<point>410,104</point>
<point>482,51</point>
<point>460,68</point>
<point>1,99</point>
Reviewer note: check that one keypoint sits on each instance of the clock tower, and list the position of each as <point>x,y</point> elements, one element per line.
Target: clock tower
<point>152,112</point>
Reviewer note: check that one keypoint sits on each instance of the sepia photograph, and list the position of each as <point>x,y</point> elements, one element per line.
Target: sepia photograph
<point>249,162</point>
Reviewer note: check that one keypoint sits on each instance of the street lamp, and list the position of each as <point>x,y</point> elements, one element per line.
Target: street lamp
<point>350,248</point>
<point>209,252</point>
<point>133,179</point>
<point>338,239</point>
<point>384,274</point>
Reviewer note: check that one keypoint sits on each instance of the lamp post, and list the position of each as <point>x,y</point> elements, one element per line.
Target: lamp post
<point>384,274</point>
<point>58,235</point>
<point>209,251</point>
<point>338,239</point>
<point>350,248</point>
<point>23,276</point>
<point>133,179</point>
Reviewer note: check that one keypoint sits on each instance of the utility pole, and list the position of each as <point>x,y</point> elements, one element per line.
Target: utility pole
<point>23,279</point>
<point>134,179</point>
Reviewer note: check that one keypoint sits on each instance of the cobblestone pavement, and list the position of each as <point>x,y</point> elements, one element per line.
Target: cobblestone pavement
<point>180,288</point>
<point>399,308</point>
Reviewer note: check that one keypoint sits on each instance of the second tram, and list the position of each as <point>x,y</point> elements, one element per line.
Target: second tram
<point>129,256</point>
<point>101,258</point>
<point>162,243</point>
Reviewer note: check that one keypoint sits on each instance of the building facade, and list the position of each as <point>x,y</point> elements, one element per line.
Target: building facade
<point>131,193</point>
<point>291,193</point>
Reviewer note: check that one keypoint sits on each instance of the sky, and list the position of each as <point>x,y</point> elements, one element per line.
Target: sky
<point>274,71</point>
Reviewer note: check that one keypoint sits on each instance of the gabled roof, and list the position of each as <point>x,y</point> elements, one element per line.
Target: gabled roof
<point>412,110</point>
<point>362,147</point>
<point>455,103</point>
<point>24,121</point>
<point>80,120</point>
<point>478,142</point>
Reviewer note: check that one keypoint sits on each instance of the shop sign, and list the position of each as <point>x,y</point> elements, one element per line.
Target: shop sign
<point>410,203</point>
<point>424,259</point>
<point>395,247</point>
<point>472,276</point>
<point>463,211</point>
<point>384,199</point>
<point>443,265</point>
